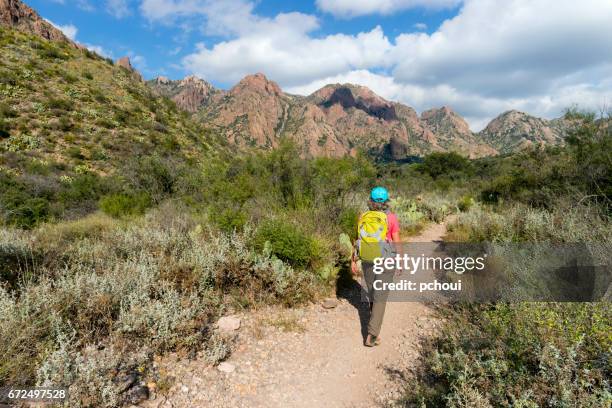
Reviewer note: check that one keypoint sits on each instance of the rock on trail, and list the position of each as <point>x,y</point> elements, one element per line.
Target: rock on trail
<point>318,360</point>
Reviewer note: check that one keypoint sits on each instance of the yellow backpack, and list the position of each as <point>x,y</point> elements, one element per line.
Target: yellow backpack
<point>372,235</point>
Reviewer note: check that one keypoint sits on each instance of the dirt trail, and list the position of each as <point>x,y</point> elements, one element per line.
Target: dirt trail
<point>318,360</point>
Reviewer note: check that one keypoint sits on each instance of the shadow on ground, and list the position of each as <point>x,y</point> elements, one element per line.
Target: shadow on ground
<point>350,289</point>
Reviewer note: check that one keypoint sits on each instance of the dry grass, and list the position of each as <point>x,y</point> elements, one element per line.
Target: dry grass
<point>136,288</point>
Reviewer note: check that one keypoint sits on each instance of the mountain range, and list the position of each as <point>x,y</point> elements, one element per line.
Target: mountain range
<point>339,119</point>
<point>336,120</point>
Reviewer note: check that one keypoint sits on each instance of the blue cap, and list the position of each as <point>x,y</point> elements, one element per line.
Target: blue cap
<point>379,194</point>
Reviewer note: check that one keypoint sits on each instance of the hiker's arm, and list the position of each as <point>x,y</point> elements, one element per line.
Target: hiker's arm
<point>354,266</point>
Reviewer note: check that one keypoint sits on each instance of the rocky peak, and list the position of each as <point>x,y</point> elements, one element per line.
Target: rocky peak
<point>514,119</point>
<point>354,96</point>
<point>194,92</point>
<point>195,82</point>
<point>453,132</point>
<point>445,118</point>
<point>15,14</point>
<point>514,130</point>
<point>258,83</point>
<point>190,93</point>
<point>162,80</point>
<point>125,63</point>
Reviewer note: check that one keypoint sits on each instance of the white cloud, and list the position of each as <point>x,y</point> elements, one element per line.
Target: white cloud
<point>420,26</point>
<point>353,8</point>
<point>69,30</point>
<point>99,50</point>
<point>139,62</point>
<point>118,8</point>
<point>525,49</point>
<point>539,56</point>
<point>288,55</point>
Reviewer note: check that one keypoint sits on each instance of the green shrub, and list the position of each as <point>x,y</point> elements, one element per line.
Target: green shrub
<point>90,54</point>
<point>58,103</point>
<point>120,205</point>
<point>4,128</point>
<point>38,167</point>
<point>69,77</point>
<point>450,165</point>
<point>98,95</point>
<point>83,188</point>
<point>348,221</point>
<point>228,219</point>
<point>285,241</point>
<point>7,111</point>
<point>65,124</point>
<point>528,355</point>
<point>465,203</point>
<point>49,51</point>
<point>155,175</point>
<point>9,78</point>
<point>122,116</point>
<point>75,152</point>
<point>28,212</point>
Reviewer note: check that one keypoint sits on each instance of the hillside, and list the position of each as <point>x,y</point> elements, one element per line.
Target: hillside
<point>336,120</point>
<point>453,132</point>
<point>67,114</point>
<point>17,15</point>
<point>513,130</point>
<point>340,119</point>
<point>189,94</point>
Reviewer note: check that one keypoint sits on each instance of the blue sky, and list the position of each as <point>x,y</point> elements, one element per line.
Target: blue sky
<point>480,57</point>
<point>161,46</point>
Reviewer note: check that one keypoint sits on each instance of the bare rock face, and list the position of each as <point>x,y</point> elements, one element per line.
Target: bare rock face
<point>514,130</point>
<point>453,133</point>
<point>124,62</point>
<point>15,14</point>
<point>194,92</point>
<point>228,324</point>
<point>334,121</point>
<point>252,113</point>
<point>190,94</point>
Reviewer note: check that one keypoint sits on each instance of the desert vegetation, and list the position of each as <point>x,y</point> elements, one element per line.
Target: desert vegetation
<point>529,354</point>
<point>127,229</point>
<point>158,256</point>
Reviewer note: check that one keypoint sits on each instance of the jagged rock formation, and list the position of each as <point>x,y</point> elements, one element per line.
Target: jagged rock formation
<point>189,94</point>
<point>15,14</point>
<point>453,132</point>
<point>125,62</point>
<point>514,130</point>
<point>253,113</point>
<point>340,119</point>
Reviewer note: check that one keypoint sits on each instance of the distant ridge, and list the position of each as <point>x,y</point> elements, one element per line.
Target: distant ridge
<point>17,15</point>
<point>340,119</point>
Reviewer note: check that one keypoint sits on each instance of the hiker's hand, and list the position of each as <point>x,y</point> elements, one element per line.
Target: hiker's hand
<point>354,268</point>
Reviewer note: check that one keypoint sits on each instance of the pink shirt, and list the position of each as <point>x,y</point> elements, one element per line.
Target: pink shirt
<point>392,225</point>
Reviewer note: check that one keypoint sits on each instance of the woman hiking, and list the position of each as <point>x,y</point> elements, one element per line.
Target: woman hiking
<point>378,230</point>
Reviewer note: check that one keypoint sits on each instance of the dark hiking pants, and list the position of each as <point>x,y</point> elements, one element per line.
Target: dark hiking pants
<point>376,297</point>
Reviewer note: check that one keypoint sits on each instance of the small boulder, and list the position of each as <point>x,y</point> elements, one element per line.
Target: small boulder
<point>137,394</point>
<point>127,382</point>
<point>329,303</point>
<point>228,324</point>
<point>226,367</point>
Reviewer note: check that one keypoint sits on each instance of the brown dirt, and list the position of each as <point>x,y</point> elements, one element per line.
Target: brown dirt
<point>308,357</point>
